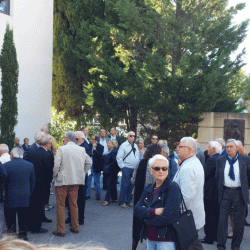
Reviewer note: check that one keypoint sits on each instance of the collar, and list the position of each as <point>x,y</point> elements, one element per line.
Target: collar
<point>163,187</point>
<point>70,143</point>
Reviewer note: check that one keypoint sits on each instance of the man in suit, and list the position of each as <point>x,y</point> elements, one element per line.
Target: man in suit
<point>20,183</point>
<point>211,194</point>
<point>200,155</point>
<point>43,162</point>
<point>53,149</point>
<point>103,140</point>
<point>190,178</point>
<point>71,165</point>
<point>233,178</point>
<point>96,155</point>
<point>114,136</point>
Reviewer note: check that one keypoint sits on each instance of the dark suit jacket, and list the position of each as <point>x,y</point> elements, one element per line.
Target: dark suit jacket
<point>3,175</point>
<point>200,155</point>
<point>119,140</point>
<point>97,156</point>
<point>25,154</point>
<point>110,165</point>
<point>43,162</point>
<point>210,186</point>
<point>244,165</point>
<point>87,147</point>
<point>20,183</point>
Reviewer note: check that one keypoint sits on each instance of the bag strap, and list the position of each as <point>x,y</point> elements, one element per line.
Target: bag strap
<point>128,153</point>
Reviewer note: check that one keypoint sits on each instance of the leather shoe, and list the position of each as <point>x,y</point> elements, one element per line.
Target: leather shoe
<point>67,221</point>
<point>73,231</point>
<point>205,241</point>
<point>56,233</point>
<point>81,222</point>
<point>40,231</point>
<point>247,224</point>
<point>47,220</point>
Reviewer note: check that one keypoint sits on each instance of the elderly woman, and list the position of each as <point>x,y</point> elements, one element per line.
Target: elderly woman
<point>159,206</point>
<point>140,144</point>
<point>111,168</point>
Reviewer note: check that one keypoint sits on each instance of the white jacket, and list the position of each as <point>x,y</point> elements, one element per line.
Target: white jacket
<point>132,160</point>
<point>71,165</point>
<point>190,178</point>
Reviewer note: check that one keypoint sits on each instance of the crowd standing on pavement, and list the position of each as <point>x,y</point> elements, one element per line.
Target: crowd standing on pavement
<point>214,185</point>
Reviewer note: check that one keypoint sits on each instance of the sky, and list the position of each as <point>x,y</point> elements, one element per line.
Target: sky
<point>242,16</point>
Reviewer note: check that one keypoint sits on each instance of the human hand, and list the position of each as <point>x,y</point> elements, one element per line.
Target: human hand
<point>159,211</point>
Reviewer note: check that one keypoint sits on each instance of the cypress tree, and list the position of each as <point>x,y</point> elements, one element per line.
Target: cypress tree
<point>9,83</point>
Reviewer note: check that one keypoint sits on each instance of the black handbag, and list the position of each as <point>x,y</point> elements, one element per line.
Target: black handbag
<point>184,229</point>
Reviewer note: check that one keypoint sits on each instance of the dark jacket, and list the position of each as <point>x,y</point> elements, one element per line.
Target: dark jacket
<point>172,167</point>
<point>25,154</point>
<point>244,166</point>
<point>200,155</point>
<point>97,156</point>
<point>87,147</point>
<point>110,165</point>
<point>210,186</point>
<point>3,176</point>
<point>118,139</point>
<point>20,183</point>
<point>169,196</point>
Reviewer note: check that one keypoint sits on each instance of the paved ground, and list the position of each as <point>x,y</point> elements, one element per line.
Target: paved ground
<point>108,226</point>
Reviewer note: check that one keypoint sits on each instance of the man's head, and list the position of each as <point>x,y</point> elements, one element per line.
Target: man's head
<point>69,136</point>
<point>3,149</point>
<point>165,150</point>
<point>231,147</point>
<point>80,136</point>
<point>241,148</point>
<point>45,129</point>
<point>154,139</point>
<point>38,136</point>
<point>16,141</point>
<point>140,143</point>
<point>213,148</point>
<point>16,153</point>
<point>187,148</point>
<point>26,141</point>
<point>93,139</point>
<point>221,141</point>
<point>113,131</point>
<point>102,133</point>
<point>45,142</point>
<point>131,137</point>
<point>85,130</point>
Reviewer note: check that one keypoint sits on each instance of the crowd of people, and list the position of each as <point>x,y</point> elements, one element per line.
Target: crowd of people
<point>214,184</point>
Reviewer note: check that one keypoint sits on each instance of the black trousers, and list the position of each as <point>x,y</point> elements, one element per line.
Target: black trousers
<point>81,200</point>
<point>111,187</point>
<point>231,199</point>
<point>212,219</point>
<point>10,217</point>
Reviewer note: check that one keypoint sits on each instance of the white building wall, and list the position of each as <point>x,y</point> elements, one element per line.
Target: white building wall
<point>32,23</point>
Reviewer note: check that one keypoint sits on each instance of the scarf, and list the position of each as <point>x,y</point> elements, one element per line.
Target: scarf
<point>231,163</point>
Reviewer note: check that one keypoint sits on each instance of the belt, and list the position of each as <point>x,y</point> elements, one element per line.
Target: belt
<point>232,188</point>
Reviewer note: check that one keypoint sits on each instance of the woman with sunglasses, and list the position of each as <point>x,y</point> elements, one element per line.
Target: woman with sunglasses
<point>159,206</point>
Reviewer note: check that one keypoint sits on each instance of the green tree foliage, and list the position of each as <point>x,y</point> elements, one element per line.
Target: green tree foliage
<point>9,83</point>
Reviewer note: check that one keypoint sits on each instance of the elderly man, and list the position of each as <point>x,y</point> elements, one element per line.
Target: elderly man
<point>16,143</point>
<point>211,194</point>
<point>20,183</point>
<point>85,130</point>
<point>4,153</point>
<point>45,129</point>
<point>233,178</point>
<point>190,178</point>
<point>71,165</point>
<point>127,159</point>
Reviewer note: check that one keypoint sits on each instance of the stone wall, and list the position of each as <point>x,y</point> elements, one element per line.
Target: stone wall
<point>212,127</point>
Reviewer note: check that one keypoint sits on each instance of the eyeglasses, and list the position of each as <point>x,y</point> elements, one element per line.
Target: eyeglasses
<point>180,147</point>
<point>131,135</point>
<point>158,168</point>
<point>77,139</point>
<point>154,138</point>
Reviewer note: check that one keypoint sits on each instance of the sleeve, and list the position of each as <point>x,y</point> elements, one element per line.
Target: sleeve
<point>87,164</point>
<point>58,161</point>
<point>171,210</point>
<point>142,210</point>
<point>248,171</point>
<point>32,180</point>
<point>120,156</point>
<point>26,154</point>
<point>99,150</point>
<point>209,169</point>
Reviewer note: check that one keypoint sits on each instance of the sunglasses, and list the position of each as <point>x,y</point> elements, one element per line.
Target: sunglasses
<point>131,135</point>
<point>158,168</point>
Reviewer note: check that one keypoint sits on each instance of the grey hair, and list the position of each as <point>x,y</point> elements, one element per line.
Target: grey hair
<point>138,140</point>
<point>39,135</point>
<point>216,145</point>
<point>221,141</point>
<point>114,143</point>
<point>45,140</point>
<point>165,148</point>
<point>45,126</point>
<point>80,133</point>
<point>234,141</point>
<point>130,133</point>
<point>4,147</point>
<point>190,141</point>
<point>17,153</point>
<point>71,136</point>
<point>163,142</point>
<point>152,160</point>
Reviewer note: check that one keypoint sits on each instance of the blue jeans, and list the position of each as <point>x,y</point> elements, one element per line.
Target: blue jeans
<point>97,177</point>
<point>126,186</point>
<point>160,245</point>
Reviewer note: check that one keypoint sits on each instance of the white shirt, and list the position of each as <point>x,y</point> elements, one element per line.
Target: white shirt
<point>103,142</point>
<point>227,181</point>
<point>5,158</point>
<point>113,138</point>
<point>87,140</point>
